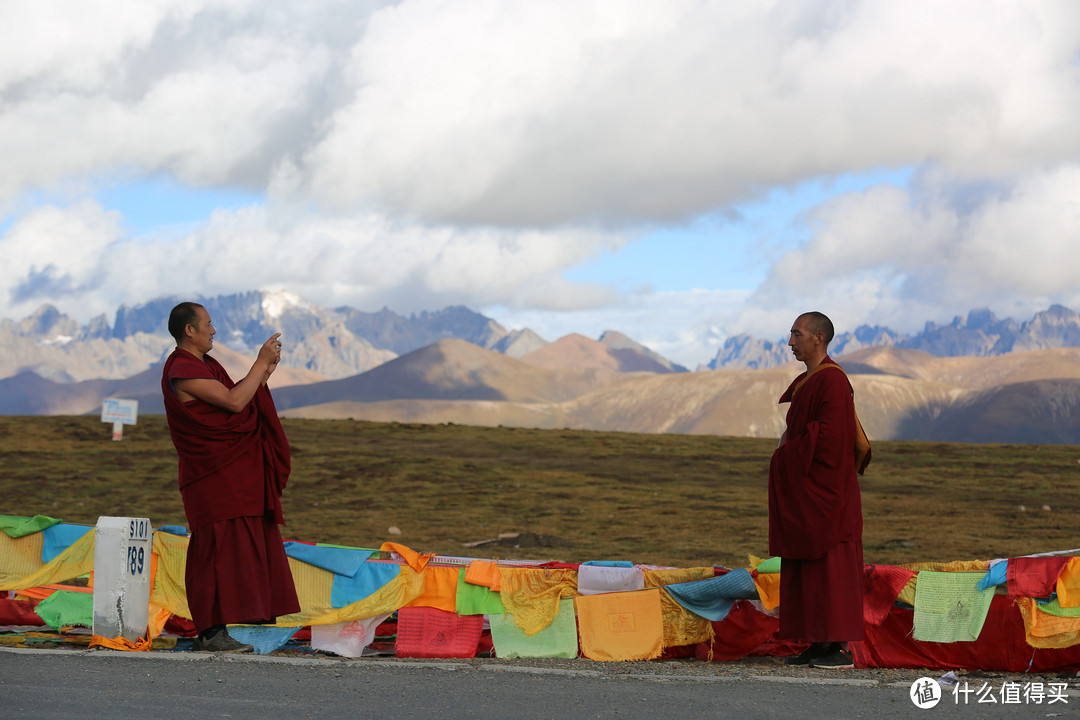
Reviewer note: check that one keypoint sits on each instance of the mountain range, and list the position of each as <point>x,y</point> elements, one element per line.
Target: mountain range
<point>1013,382</point>
<point>978,334</point>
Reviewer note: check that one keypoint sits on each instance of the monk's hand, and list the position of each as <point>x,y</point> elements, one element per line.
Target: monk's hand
<point>270,352</point>
<point>269,371</point>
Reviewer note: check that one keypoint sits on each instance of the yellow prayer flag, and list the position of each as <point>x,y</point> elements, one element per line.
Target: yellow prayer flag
<point>621,626</point>
<point>1068,584</point>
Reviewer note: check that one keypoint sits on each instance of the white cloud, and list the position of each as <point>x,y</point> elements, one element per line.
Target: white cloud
<point>60,256</point>
<point>891,256</point>
<point>545,113</point>
<point>526,114</point>
<point>79,259</point>
<point>432,152</point>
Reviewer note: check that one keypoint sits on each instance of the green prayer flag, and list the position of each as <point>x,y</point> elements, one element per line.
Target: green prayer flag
<point>476,599</point>
<point>65,608</point>
<point>1054,608</point>
<point>16,526</point>
<point>772,565</point>
<point>949,607</point>
<point>557,640</point>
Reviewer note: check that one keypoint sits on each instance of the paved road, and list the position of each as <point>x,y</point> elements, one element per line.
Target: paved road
<point>93,684</point>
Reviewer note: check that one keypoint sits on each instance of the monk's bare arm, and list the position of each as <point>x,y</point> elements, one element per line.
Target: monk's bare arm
<point>235,399</point>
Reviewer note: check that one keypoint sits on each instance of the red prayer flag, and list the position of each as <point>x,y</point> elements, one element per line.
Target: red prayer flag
<point>427,632</point>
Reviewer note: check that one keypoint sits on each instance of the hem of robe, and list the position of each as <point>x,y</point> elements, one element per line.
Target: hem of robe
<point>237,572</point>
<point>821,600</point>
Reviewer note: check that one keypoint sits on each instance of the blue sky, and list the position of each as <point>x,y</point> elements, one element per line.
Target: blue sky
<point>156,204</point>
<point>679,171</point>
<point>729,250</point>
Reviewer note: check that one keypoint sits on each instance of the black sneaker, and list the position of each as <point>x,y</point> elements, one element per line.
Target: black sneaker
<point>805,656</point>
<point>836,660</point>
<point>221,642</point>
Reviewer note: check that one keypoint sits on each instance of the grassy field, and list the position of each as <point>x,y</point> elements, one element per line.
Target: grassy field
<point>662,499</point>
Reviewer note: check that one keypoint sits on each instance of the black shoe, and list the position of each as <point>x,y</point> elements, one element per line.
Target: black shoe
<point>806,655</point>
<point>836,660</point>
<point>222,642</point>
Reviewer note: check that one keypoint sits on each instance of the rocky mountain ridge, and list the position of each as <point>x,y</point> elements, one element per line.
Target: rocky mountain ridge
<point>342,342</point>
<point>978,334</point>
<point>331,343</point>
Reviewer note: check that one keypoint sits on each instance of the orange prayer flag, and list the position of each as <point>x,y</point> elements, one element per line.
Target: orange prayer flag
<point>1068,584</point>
<point>768,588</point>
<point>483,572</point>
<point>121,643</point>
<point>439,589</point>
<point>621,626</point>
<point>416,560</point>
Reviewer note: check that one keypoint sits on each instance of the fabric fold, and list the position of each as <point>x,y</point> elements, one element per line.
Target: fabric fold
<point>346,639</point>
<point>415,560</point>
<point>59,538</point>
<point>368,579</point>
<point>883,584</point>
<point>17,526</point>
<point>712,598</point>
<point>595,579</point>
<point>1034,576</point>
<point>340,561</point>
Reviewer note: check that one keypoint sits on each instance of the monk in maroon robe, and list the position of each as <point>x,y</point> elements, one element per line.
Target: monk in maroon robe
<point>234,462</point>
<point>815,508</point>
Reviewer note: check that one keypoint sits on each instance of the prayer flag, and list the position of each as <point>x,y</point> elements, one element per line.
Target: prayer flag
<point>476,599</point>
<point>557,640</point>
<point>594,579</point>
<point>621,626</point>
<point>346,639</point>
<point>949,607</point>
<point>712,598</point>
<point>427,632</point>
<point>367,579</point>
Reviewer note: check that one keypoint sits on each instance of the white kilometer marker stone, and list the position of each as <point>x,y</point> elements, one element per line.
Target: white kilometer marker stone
<point>122,577</point>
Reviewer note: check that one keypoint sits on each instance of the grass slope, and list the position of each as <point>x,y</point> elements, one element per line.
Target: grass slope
<point>662,499</point>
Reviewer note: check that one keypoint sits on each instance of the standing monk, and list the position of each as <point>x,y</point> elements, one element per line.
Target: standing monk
<point>234,463</point>
<point>815,510</point>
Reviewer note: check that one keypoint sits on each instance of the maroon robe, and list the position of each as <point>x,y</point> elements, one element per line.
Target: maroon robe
<point>233,468</point>
<point>815,511</point>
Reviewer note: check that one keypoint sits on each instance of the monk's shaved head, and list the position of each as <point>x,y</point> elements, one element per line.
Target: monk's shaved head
<point>181,316</point>
<point>819,323</point>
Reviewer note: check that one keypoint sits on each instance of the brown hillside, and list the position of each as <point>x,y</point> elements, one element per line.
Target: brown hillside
<point>1041,411</point>
<point>723,402</point>
<point>578,351</point>
<point>975,373</point>
<point>450,370</point>
<point>744,403</point>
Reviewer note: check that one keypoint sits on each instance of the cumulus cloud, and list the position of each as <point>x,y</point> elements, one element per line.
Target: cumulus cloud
<point>659,111</point>
<point>896,256</point>
<point>534,114</point>
<point>60,256</point>
<point>427,152</point>
<point>365,260</point>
